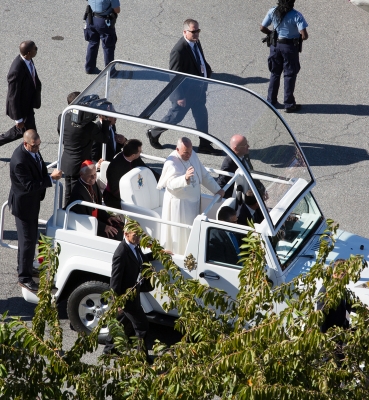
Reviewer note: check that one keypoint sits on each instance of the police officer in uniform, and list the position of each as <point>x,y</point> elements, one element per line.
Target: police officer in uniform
<point>100,21</point>
<point>284,55</point>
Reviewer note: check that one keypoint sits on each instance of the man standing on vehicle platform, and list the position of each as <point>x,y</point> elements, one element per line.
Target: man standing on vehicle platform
<point>290,27</point>
<point>100,18</point>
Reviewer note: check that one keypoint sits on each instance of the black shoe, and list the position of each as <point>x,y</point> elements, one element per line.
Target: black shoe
<point>293,109</point>
<point>110,349</point>
<point>94,71</point>
<point>209,150</point>
<point>35,272</point>
<point>277,105</point>
<point>154,141</point>
<point>32,286</point>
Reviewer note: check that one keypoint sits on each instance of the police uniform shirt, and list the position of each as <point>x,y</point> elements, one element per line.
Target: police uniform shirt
<point>103,7</point>
<point>291,25</point>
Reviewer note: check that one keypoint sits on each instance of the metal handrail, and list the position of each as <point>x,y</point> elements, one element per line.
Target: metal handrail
<point>122,212</point>
<point>217,197</point>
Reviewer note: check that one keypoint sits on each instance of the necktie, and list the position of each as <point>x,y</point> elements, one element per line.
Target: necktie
<point>32,68</point>
<point>38,160</point>
<point>138,256</point>
<point>247,163</point>
<point>112,138</point>
<point>197,56</point>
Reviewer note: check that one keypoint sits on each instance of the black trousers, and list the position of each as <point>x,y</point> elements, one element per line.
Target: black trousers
<point>70,181</point>
<point>177,113</point>
<point>134,321</point>
<point>27,240</point>
<point>15,133</point>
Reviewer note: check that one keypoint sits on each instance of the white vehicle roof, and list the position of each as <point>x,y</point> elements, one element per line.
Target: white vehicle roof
<point>141,93</point>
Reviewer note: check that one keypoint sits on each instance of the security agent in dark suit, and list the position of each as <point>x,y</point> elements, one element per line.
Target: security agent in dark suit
<point>126,269</point>
<point>241,147</point>
<point>249,210</point>
<point>78,142</point>
<point>24,93</point>
<point>128,159</point>
<point>86,189</point>
<point>223,246</point>
<point>29,180</point>
<point>187,56</point>
<point>114,145</point>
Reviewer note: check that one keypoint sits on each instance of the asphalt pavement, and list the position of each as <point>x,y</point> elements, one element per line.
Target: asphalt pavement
<point>332,86</point>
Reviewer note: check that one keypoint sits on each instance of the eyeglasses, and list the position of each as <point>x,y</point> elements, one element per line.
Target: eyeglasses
<point>195,31</point>
<point>34,146</point>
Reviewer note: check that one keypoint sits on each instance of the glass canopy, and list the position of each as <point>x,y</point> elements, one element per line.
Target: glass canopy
<point>144,94</point>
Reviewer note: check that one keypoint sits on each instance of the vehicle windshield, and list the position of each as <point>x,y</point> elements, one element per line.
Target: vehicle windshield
<point>144,94</point>
<point>297,229</point>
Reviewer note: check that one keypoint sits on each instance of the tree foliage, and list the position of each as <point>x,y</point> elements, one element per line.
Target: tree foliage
<point>232,348</point>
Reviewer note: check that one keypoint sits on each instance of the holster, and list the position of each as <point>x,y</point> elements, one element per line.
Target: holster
<point>88,15</point>
<point>112,18</point>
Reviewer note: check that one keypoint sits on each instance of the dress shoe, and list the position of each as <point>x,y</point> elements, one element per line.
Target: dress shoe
<point>110,349</point>
<point>35,272</point>
<point>294,108</point>
<point>209,150</point>
<point>154,141</point>
<point>94,71</point>
<point>32,286</point>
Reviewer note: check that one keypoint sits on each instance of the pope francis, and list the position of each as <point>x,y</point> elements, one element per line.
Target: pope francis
<point>182,176</point>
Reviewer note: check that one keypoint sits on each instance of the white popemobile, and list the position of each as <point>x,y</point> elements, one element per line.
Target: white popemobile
<point>140,95</point>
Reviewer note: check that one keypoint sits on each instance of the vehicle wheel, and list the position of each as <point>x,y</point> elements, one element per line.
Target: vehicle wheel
<point>85,308</point>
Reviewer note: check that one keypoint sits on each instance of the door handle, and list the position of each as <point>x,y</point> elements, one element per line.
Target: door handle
<point>205,275</point>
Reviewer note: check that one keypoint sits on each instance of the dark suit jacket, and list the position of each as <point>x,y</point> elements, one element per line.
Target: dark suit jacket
<point>79,192</point>
<point>221,248</point>
<point>110,152</point>
<point>337,316</point>
<point>125,268</point>
<point>28,184</point>
<point>116,169</point>
<point>78,143</point>
<point>229,165</point>
<point>182,59</point>
<point>244,214</point>
<point>23,96</point>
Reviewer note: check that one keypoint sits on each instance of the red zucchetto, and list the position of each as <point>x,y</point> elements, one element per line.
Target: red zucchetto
<point>86,162</point>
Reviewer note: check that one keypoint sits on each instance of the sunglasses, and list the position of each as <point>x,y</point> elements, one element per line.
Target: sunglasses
<point>195,31</point>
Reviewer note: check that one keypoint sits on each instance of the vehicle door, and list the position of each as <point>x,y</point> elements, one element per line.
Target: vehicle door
<point>218,256</point>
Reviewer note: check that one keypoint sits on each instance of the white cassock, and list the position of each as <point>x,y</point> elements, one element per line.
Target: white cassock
<point>181,201</point>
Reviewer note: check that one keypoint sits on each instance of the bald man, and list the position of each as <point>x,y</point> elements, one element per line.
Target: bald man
<point>24,93</point>
<point>240,146</point>
<point>29,181</point>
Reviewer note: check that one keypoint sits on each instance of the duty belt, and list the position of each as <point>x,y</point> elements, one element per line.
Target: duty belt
<point>285,41</point>
<point>99,16</point>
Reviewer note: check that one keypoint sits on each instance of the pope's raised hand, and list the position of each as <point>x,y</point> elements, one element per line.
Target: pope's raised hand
<point>190,172</point>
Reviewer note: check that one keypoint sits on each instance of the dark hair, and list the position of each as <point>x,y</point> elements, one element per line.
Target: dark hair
<point>250,198</point>
<point>131,147</point>
<point>225,213</point>
<point>283,7</point>
<point>26,47</point>
<point>72,96</point>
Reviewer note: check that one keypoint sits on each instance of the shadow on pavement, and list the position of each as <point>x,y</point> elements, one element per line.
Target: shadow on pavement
<point>238,80</point>
<point>350,109</point>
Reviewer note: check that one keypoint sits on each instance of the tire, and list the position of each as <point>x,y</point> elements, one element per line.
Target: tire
<point>85,307</point>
